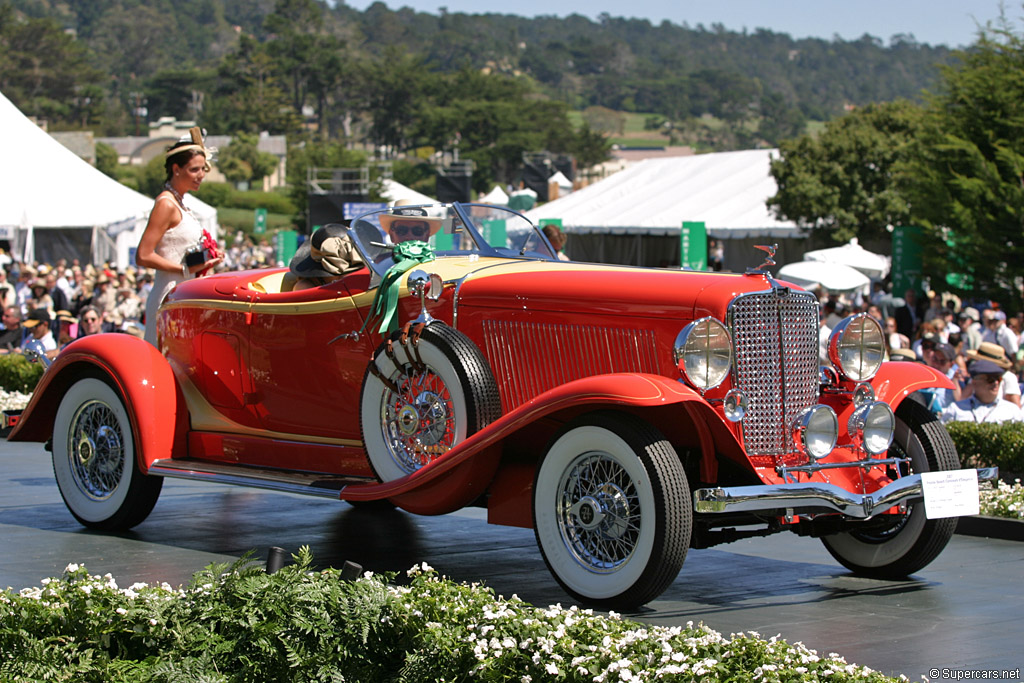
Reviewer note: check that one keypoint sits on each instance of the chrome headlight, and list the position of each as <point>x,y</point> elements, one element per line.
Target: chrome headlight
<point>815,431</point>
<point>871,427</point>
<point>857,347</point>
<point>703,353</point>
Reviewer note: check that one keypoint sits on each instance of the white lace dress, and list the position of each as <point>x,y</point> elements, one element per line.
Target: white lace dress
<point>172,246</point>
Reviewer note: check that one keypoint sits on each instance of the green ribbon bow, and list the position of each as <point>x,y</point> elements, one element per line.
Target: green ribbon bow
<point>406,255</point>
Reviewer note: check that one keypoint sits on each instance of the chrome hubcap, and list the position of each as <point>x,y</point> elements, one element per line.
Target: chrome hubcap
<point>599,512</point>
<point>97,450</point>
<point>418,421</point>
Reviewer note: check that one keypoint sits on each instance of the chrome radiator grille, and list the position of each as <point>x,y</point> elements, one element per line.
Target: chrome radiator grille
<point>775,336</point>
<point>530,358</point>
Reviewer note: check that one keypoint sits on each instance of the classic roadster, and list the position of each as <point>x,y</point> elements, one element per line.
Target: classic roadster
<point>625,414</point>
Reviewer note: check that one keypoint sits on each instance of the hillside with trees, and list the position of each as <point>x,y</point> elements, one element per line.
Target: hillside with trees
<point>398,81</point>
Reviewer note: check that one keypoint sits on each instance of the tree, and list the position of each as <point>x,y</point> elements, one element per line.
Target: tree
<point>966,178</point>
<point>843,181</point>
<point>243,162</point>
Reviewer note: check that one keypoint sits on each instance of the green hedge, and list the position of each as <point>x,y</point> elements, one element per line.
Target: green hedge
<point>18,374</point>
<point>223,196</point>
<point>981,444</point>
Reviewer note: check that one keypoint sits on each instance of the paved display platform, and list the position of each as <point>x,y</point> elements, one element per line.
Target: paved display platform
<point>962,612</point>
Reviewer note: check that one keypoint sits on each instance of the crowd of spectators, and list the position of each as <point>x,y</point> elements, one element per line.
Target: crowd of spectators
<point>60,302</point>
<point>974,344</point>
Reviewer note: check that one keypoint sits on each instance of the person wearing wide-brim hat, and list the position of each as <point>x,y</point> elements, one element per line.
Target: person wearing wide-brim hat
<point>40,297</point>
<point>407,222</point>
<point>984,404</point>
<point>326,256</point>
<point>990,352</point>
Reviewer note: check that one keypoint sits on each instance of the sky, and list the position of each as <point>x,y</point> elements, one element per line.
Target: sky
<point>946,22</point>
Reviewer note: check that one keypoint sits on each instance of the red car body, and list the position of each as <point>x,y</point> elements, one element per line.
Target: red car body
<point>263,387</point>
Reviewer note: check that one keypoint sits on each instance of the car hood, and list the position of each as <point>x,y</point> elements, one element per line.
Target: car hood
<point>604,289</point>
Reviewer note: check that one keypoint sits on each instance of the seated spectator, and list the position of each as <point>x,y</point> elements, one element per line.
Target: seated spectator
<point>68,328</point>
<point>942,357</point>
<point>91,322</point>
<point>12,334</point>
<point>328,255</point>
<point>38,323</point>
<point>985,405</point>
<point>1009,387</point>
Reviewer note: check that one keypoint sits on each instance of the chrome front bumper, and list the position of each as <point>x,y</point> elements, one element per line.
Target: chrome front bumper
<point>796,499</point>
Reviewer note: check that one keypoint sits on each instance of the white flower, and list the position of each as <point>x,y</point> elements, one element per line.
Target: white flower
<point>551,669</point>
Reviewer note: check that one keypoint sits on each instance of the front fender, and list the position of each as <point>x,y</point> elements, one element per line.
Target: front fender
<point>459,476</point>
<point>137,371</point>
<point>896,380</point>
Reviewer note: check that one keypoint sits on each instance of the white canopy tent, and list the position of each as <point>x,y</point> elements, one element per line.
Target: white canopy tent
<point>727,191</point>
<point>56,204</point>
<point>394,191</point>
<point>834,277</point>
<point>875,266</point>
<point>497,196</point>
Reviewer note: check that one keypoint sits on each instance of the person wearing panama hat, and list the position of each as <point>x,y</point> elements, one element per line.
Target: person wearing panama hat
<point>326,256</point>
<point>990,352</point>
<point>406,222</point>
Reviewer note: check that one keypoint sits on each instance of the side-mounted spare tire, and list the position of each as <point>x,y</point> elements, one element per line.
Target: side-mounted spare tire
<point>421,396</point>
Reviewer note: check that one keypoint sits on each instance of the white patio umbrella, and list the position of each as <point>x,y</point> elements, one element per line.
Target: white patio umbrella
<point>875,266</point>
<point>832,276</point>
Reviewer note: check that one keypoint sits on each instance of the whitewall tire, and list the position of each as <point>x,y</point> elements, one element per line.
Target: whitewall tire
<point>94,459</point>
<point>612,511</point>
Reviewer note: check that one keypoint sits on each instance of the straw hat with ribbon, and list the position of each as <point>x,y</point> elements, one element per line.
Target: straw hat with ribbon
<point>991,352</point>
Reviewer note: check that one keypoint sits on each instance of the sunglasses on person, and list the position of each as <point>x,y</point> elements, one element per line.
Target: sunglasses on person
<point>414,230</point>
<point>990,379</point>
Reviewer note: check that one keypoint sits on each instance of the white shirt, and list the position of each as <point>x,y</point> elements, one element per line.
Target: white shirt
<point>973,410</point>
<point>1003,336</point>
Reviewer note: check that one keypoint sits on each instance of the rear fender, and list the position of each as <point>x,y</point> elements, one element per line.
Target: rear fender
<point>141,376</point>
<point>462,474</point>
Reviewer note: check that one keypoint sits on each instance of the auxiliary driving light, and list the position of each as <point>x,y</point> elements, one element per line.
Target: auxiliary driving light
<point>815,431</point>
<point>871,427</point>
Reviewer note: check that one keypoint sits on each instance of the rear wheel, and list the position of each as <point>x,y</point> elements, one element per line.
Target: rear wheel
<point>911,541</point>
<point>94,460</point>
<point>611,510</point>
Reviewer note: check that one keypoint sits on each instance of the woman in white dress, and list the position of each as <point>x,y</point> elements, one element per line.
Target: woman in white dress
<point>172,229</point>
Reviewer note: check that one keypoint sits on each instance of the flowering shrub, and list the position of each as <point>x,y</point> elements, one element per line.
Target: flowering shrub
<point>1003,500</point>
<point>241,624</point>
<point>13,400</point>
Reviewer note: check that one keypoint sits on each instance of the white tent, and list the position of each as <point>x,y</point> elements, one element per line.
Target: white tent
<point>834,277</point>
<point>497,196</point>
<point>727,191</point>
<point>875,266</point>
<point>394,191</point>
<point>53,200</point>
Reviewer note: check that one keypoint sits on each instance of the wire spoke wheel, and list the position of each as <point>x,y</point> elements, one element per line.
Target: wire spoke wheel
<point>95,462</point>
<point>611,510</point>
<point>97,453</point>
<point>421,397</point>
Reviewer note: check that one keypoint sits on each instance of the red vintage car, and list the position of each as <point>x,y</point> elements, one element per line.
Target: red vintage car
<point>625,414</point>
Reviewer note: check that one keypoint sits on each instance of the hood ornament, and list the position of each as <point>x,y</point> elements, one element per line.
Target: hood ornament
<point>769,259</point>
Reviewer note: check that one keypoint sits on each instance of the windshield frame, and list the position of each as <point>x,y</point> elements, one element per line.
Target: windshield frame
<point>458,219</point>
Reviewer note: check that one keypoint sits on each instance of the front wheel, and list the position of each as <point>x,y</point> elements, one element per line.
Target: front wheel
<point>611,510</point>
<point>911,541</point>
<point>94,460</point>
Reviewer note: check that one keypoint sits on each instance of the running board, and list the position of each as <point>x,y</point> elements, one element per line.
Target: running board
<point>284,481</point>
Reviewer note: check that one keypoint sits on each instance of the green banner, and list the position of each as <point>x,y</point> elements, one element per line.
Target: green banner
<point>693,245</point>
<point>494,232</point>
<point>906,259</point>
<point>259,221</point>
<point>286,243</point>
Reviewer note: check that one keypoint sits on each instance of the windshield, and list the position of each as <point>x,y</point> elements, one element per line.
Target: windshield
<point>450,230</point>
